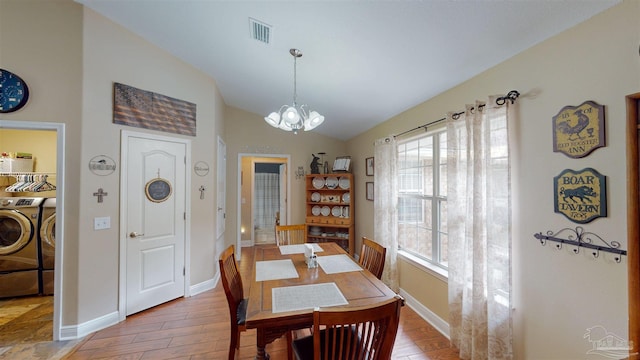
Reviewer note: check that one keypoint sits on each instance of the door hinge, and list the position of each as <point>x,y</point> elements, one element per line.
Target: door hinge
<point>184,215</point>
<point>184,271</point>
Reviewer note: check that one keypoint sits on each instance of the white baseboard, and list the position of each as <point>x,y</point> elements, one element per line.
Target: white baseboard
<point>205,285</point>
<point>73,332</point>
<point>429,316</point>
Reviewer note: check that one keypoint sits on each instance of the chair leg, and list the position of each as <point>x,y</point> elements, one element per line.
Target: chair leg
<point>290,345</point>
<point>234,343</point>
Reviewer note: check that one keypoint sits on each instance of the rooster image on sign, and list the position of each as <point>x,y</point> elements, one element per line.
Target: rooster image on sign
<point>578,130</point>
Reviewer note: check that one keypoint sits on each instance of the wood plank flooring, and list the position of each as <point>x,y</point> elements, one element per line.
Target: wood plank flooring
<point>198,328</point>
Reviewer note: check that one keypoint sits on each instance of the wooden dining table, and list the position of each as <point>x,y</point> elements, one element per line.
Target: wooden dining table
<point>358,287</point>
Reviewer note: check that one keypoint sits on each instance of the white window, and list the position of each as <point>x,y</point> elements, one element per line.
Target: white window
<point>422,197</point>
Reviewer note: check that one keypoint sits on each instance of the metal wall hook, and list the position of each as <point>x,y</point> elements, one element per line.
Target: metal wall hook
<point>579,238</point>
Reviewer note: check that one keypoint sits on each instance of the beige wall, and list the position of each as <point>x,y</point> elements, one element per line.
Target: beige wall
<point>70,59</point>
<point>557,296</point>
<point>48,56</point>
<point>113,54</point>
<point>42,146</point>
<point>248,133</point>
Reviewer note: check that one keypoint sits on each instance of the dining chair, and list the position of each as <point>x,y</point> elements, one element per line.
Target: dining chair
<point>366,332</point>
<point>372,256</point>
<point>232,283</point>
<point>290,234</point>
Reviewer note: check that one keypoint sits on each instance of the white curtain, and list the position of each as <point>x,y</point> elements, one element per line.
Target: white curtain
<point>479,232</point>
<point>385,206</point>
<point>267,200</point>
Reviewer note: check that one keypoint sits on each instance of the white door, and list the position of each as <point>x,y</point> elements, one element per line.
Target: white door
<point>155,222</point>
<point>222,188</point>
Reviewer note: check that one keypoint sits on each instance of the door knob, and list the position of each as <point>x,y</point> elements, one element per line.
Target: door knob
<point>134,234</point>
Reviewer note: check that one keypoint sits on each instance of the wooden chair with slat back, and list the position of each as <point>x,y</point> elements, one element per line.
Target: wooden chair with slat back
<point>232,283</point>
<point>367,332</point>
<point>372,257</point>
<point>290,234</point>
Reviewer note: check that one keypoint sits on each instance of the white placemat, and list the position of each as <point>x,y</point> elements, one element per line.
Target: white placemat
<point>297,249</point>
<point>275,269</point>
<point>333,264</point>
<point>301,297</point>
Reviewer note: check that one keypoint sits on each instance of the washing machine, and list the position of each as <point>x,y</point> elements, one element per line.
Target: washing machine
<point>48,245</point>
<point>19,246</point>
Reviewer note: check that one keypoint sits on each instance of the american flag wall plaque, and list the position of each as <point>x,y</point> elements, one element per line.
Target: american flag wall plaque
<point>146,109</point>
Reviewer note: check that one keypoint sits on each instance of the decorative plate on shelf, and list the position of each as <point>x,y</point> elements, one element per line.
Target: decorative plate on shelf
<point>315,210</point>
<point>346,198</point>
<point>332,182</point>
<point>315,197</point>
<point>318,182</point>
<point>336,211</point>
<point>325,211</point>
<point>343,182</point>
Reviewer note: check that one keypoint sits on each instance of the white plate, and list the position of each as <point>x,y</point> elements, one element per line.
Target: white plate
<point>325,211</point>
<point>343,182</point>
<point>346,198</point>
<point>315,210</point>
<point>332,182</point>
<point>336,211</point>
<point>318,182</point>
<point>315,197</point>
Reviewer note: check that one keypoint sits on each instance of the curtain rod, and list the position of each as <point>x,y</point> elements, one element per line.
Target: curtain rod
<point>511,96</point>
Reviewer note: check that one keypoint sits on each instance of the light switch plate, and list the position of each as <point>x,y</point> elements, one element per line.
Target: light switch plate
<point>101,223</point>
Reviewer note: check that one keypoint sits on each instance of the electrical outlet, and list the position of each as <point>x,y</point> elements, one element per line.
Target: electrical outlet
<point>101,223</point>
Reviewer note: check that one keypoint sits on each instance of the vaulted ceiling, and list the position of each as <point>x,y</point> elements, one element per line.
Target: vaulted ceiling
<point>363,61</point>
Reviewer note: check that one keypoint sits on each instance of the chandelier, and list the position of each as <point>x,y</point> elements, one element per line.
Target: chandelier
<point>294,117</point>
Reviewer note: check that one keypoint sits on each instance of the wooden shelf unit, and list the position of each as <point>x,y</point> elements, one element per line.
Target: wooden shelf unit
<point>330,209</point>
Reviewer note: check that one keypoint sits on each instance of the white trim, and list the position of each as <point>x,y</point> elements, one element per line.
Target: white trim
<point>204,286</point>
<point>124,151</point>
<point>425,266</point>
<point>429,316</point>
<point>239,242</point>
<point>60,213</point>
<point>89,327</point>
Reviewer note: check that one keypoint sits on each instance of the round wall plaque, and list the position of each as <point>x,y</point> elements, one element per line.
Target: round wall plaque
<point>102,165</point>
<point>201,168</point>
<point>158,190</point>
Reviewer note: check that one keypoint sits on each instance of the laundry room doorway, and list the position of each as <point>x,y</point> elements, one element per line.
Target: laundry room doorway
<point>45,141</point>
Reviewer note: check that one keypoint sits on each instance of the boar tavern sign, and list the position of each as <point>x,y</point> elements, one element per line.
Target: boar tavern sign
<point>579,130</point>
<point>581,196</point>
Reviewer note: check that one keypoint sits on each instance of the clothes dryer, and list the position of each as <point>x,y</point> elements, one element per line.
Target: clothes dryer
<point>19,223</point>
<point>48,245</point>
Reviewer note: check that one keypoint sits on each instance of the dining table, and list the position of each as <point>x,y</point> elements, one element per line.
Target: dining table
<point>285,290</point>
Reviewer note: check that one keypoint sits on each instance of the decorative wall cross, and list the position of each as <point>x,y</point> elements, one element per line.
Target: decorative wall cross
<point>100,194</point>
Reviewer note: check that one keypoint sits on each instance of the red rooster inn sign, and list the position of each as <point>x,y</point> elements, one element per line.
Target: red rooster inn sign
<point>581,196</point>
<point>579,130</point>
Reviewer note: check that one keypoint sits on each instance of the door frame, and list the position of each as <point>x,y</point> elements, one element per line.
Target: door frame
<point>286,159</point>
<point>633,222</point>
<point>124,138</point>
<point>59,128</point>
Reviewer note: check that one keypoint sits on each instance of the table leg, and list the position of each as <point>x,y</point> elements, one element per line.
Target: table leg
<point>261,343</point>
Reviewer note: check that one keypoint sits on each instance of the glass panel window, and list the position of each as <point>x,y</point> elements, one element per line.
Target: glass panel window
<point>422,202</point>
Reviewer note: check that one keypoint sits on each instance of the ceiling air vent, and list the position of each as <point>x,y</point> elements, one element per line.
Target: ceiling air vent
<point>260,31</point>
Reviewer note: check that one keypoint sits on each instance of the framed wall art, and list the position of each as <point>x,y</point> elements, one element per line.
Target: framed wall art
<point>579,130</point>
<point>370,190</point>
<point>370,165</point>
<point>581,196</point>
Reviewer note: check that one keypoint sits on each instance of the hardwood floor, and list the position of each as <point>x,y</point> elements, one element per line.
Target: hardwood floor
<point>198,328</point>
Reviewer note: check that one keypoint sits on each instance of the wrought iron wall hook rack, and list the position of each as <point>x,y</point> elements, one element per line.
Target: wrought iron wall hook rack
<point>579,238</point>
